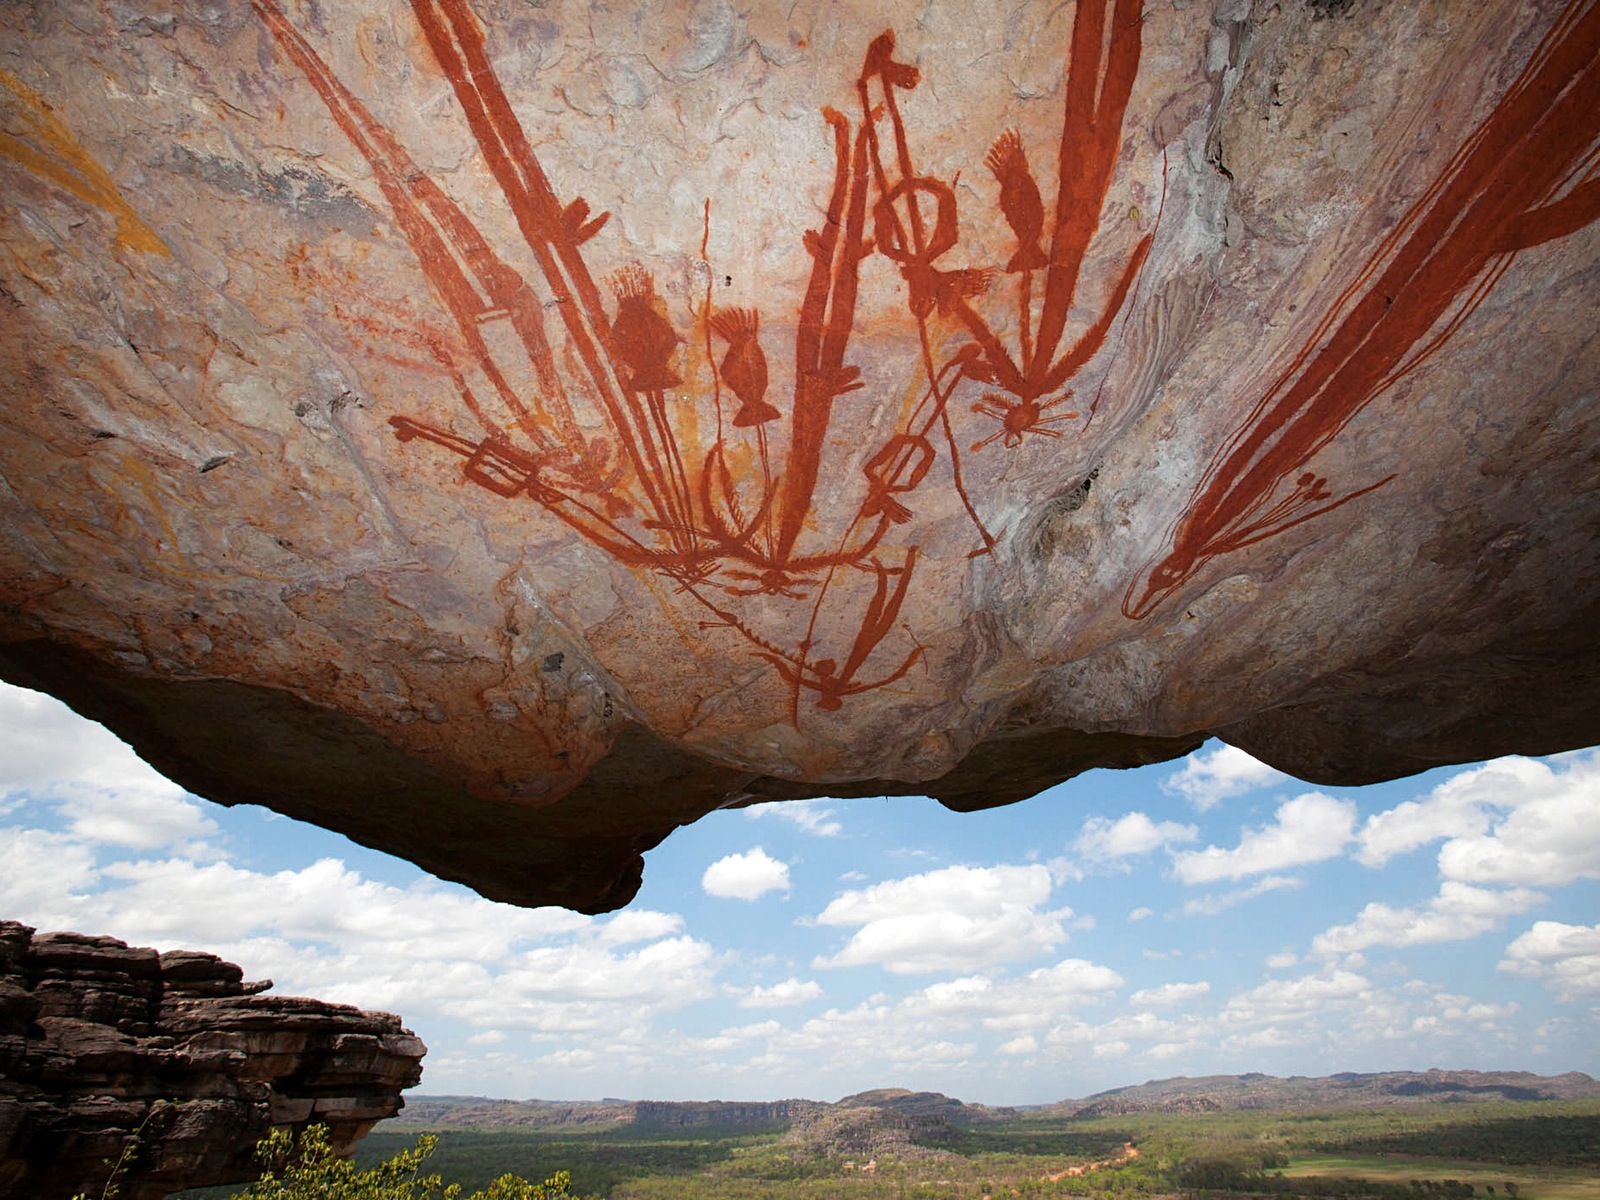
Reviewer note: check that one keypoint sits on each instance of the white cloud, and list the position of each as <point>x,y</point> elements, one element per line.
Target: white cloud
<point>781,995</point>
<point>1550,837</point>
<point>43,742</point>
<point>1510,821</point>
<point>1169,995</point>
<point>428,950</point>
<point>43,876</point>
<point>1165,1050</point>
<point>1307,829</point>
<point>736,1037</point>
<point>1542,841</point>
<point>1280,1000</point>
<point>1142,913</point>
<point>1453,808</point>
<point>747,876</point>
<point>1208,779</point>
<point>1210,906</point>
<point>1042,995</point>
<point>936,1025</point>
<point>1285,959</point>
<point>1133,834</point>
<point>1458,912</point>
<point>952,919</point>
<point>638,925</point>
<point>810,816</point>
<point>137,817</point>
<point>107,792</point>
<point>1565,958</point>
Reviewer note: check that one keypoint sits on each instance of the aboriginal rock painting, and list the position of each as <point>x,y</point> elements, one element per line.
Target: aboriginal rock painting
<point>49,150</point>
<point>714,482</point>
<point>1526,175</point>
<point>740,482</point>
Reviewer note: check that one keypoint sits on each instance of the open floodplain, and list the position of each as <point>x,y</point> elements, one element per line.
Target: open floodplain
<point>907,1144</point>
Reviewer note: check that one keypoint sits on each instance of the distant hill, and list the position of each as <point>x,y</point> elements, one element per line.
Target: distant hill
<point>479,1112</point>
<point>1214,1093</point>
<point>898,1115</point>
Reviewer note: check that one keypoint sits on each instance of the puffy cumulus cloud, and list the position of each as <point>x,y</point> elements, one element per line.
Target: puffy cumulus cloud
<point>1306,829</point>
<point>1102,839</point>
<point>1455,808</point>
<point>1458,912</point>
<point>1126,1030</point>
<point>1550,837</point>
<point>1142,913</point>
<point>1309,1011</point>
<point>1510,821</point>
<point>428,950</point>
<point>894,1036</point>
<point>1207,778</point>
<point>638,925</point>
<point>781,995</point>
<point>43,742</point>
<point>1169,995</point>
<point>1446,1010</point>
<point>809,816</point>
<point>104,791</point>
<point>138,817</point>
<point>747,876</point>
<point>1029,1001</point>
<point>1565,958</point>
<point>44,875</point>
<point>1288,1000</point>
<point>948,1021</point>
<point>948,920</point>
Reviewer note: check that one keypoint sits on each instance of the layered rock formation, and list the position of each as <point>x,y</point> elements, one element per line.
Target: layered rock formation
<point>506,433</point>
<point>171,1066</point>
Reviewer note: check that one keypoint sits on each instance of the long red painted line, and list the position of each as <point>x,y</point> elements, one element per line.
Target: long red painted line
<point>1493,199</point>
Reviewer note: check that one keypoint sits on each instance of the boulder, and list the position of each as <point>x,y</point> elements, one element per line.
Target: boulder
<point>506,433</point>
<point>170,1068</point>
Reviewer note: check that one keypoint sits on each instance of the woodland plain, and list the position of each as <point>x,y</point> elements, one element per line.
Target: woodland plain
<point>1519,1150</point>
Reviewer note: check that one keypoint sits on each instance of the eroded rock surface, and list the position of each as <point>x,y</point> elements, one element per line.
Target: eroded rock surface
<point>505,433</point>
<point>102,1043</point>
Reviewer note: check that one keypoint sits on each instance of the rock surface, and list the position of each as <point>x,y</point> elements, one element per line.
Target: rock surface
<point>102,1043</point>
<point>504,433</point>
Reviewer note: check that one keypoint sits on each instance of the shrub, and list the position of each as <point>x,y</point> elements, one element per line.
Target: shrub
<point>306,1168</point>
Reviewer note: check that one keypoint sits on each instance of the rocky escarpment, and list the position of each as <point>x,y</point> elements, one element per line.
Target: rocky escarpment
<point>1218,1093</point>
<point>505,433</point>
<point>170,1065</point>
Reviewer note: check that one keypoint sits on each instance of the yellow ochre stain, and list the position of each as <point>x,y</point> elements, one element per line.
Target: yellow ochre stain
<point>68,165</point>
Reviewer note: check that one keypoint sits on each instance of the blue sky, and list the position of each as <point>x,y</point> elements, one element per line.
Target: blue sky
<point>1207,915</point>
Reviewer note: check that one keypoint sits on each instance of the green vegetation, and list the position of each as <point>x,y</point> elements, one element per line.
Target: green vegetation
<point>306,1168</point>
<point>1525,1150</point>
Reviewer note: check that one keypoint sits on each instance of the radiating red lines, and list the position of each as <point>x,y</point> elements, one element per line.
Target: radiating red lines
<point>649,490</point>
<point>1524,177</point>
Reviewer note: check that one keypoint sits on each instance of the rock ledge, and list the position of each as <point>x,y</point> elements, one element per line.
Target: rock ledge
<point>99,1039</point>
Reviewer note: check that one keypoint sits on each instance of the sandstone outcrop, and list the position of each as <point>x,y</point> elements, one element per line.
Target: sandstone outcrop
<point>171,1065</point>
<point>505,433</point>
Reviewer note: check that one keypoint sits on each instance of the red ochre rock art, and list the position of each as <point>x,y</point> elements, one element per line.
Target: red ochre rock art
<point>171,1067</point>
<point>507,437</point>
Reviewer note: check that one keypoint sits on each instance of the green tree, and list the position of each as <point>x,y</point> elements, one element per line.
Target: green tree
<point>306,1168</point>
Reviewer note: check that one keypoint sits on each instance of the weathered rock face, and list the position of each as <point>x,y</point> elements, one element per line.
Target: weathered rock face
<point>101,1042</point>
<point>507,432</point>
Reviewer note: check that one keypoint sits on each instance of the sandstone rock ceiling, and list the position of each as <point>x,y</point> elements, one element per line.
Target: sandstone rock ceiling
<point>505,432</point>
